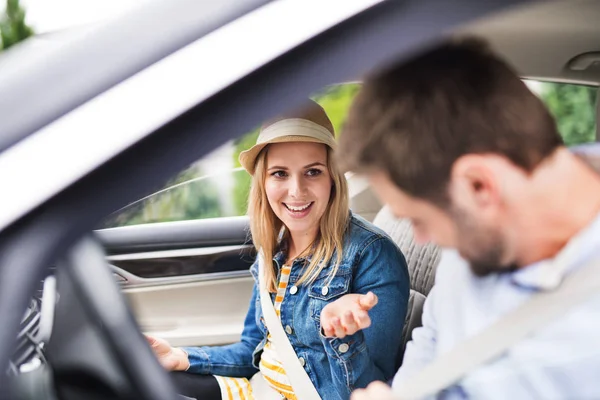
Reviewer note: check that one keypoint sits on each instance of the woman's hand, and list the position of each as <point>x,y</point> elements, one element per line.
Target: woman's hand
<point>375,391</point>
<point>347,315</point>
<point>171,358</point>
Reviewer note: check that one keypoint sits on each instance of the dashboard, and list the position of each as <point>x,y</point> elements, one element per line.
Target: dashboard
<point>28,367</point>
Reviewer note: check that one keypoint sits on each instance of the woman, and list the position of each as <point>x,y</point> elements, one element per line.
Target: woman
<point>320,251</point>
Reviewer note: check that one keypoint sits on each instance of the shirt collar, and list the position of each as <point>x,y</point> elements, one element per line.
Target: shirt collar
<point>548,274</point>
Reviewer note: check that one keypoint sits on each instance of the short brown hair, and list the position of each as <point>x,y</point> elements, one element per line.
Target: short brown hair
<point>415,119</point>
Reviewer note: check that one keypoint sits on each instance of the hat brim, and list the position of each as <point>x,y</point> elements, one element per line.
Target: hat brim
<point>248,157</point>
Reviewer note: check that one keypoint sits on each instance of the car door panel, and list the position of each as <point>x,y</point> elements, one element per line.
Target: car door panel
<point>187,282</point>
<point>204,312</point>
<point>168,266</point>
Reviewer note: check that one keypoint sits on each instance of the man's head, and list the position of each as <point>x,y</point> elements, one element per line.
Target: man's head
<point>449,140</point>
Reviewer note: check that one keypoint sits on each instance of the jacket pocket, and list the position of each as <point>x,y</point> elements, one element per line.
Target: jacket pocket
<point>325,290</point>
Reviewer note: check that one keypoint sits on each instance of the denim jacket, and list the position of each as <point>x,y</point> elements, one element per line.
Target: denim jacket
<point>371,262</point>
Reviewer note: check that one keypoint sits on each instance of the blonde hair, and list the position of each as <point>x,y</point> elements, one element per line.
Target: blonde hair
<point>266,227</point>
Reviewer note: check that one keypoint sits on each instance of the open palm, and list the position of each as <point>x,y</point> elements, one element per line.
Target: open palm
<point>347,315</point>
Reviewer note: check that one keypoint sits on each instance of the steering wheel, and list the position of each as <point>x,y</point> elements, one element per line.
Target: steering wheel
<point>102,299</point>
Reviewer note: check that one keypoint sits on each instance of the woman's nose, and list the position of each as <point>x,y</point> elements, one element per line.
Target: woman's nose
<point>297,187</point>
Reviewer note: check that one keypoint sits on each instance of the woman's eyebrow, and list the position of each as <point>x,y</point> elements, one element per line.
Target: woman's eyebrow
<point>315,164</point>
<point>277,167</point>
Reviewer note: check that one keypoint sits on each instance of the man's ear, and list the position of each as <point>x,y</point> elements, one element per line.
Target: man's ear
<point>474,180</point>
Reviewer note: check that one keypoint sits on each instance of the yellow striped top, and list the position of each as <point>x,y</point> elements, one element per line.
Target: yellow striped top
<point>270,366</point>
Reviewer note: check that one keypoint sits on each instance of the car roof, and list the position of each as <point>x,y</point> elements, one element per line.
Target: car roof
<point>542,41</point>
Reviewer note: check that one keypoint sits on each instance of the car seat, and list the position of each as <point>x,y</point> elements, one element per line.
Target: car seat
<point>422,261</point>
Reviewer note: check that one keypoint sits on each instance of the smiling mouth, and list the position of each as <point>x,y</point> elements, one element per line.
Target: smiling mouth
<point>298,209</point>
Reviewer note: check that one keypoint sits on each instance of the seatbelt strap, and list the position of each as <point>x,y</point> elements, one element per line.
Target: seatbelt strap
<point>301,383</point>
<point>541,309</point>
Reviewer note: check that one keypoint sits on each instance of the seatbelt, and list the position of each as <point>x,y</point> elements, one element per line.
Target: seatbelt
<point>301,383</point>
<point>541,309</point>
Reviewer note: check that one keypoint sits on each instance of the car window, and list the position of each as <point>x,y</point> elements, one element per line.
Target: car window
<point>573,107</point>
<point>216,185</point>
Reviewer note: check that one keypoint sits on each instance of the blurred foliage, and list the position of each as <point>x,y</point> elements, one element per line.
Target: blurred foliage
<point>572,105</point>
<point>13,28</point>
<point>195,198</point>
<point>336,101</point>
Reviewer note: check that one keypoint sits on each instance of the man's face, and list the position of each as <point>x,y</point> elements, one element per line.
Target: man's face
<point>462,227</point>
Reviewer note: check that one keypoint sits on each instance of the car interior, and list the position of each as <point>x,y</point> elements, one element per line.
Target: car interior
<point>170,273</point>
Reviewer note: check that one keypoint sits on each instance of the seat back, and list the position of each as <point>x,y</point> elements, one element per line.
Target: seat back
<point>413,320</point>
<point>422,261</point>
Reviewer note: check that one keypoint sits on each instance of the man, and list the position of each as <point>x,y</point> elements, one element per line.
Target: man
<point>455,141</point>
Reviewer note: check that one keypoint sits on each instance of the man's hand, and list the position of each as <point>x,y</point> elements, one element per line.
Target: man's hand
<point>347,315</point>
<point>375,391</point>
<point>171,358</point>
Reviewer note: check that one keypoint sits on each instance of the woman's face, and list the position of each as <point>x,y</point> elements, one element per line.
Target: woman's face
<point>298,185</point>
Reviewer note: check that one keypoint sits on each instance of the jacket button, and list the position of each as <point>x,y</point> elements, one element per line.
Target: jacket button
<point>288,329</point>
<point>343,348</point>
<point>302,362</point>
<point>325,290</point>
<point>294,289</point>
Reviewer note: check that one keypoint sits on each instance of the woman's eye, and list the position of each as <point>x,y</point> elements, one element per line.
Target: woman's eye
<point>279,174</point>
<point>314,172</point>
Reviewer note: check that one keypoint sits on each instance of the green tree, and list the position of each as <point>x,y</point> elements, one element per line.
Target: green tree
<point>13,28</point>
<point>574,109</point>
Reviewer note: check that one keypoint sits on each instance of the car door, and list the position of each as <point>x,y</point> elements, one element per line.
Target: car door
<point>182,257</point>
<point>187,282</point>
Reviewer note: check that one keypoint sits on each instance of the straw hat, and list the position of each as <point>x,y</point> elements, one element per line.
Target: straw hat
<point>309,123</point>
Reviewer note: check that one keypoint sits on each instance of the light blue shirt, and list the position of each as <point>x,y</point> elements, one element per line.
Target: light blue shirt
<point>560,361</point>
